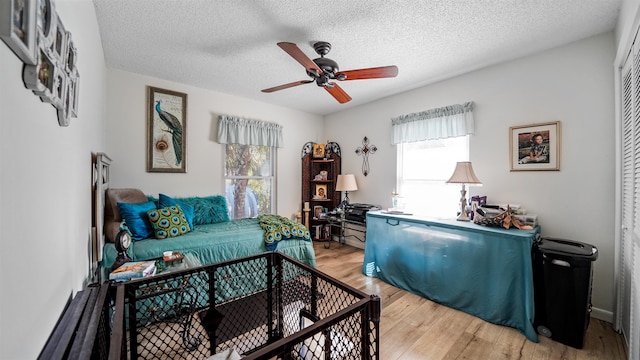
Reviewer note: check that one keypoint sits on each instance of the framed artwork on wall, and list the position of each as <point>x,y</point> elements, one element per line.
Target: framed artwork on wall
<point>535,147</point>
<point>166,136</point>
<point>18,28</point>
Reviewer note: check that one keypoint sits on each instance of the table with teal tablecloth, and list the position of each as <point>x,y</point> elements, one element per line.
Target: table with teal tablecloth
<point>483,271</point>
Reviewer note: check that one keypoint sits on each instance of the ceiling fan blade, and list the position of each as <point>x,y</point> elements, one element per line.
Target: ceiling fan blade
<point>370,73</point>
<point>286,86</point>
<point>294,51</point>
<point>336,91</point>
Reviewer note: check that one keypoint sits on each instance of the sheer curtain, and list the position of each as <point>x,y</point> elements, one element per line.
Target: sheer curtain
<point>236,130</point>
<point>440,123</point>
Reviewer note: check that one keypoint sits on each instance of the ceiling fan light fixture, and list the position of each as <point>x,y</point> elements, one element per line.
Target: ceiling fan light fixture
<point>322,70</point>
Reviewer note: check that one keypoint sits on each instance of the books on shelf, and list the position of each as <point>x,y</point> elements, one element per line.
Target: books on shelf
<point>133,269</point>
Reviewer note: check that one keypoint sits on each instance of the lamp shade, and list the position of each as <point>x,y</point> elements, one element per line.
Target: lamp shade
<point>462,175</point>
<point>346,182</point>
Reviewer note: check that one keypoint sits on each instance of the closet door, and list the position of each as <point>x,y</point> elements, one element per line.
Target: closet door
<point>628,294</point>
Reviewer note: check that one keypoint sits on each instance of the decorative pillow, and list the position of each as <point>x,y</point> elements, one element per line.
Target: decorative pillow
<point>207,210</point>
<point>165,201</point>
<point>135,217</point>
<point>168,221</point>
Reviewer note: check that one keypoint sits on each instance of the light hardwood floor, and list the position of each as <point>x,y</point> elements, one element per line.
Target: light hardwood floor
<point>413,327</point>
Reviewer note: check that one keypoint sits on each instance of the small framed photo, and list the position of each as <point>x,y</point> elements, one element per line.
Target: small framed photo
<point>318,151</point>
<point>41,77</point>
<point>64,107</point>
<point>74,83</point>
<point>71,55</point>
<point>535,147</point>
<point>46,21</point>
<point>18,28</point>
<point>59,44</point>
<point>317,210</point>
<point>321,192</point>
<point>166,136</point>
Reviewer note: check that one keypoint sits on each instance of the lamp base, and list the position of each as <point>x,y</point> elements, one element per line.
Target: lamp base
<point>463,217</point>
<point>345,202</point>
<point>463,205</point>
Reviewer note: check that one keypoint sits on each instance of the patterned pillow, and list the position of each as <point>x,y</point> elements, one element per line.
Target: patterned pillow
<point>169,221</point>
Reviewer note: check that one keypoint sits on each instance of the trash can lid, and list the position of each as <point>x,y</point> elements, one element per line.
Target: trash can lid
<point>567,248</point>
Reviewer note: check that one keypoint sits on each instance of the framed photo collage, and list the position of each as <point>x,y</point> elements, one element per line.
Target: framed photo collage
<point>35,33</point>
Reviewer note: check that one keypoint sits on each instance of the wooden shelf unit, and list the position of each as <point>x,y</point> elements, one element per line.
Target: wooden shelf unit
<point>331,163</point>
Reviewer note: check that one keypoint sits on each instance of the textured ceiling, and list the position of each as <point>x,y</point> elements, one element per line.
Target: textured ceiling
<point>230,46</point>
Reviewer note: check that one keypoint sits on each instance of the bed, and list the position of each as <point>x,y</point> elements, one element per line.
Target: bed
<point>212,237</point>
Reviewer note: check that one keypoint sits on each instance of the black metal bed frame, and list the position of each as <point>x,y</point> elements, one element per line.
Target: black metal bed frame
<point>267,306</point>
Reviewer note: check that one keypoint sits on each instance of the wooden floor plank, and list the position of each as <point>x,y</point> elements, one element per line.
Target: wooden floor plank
<point>413,327</point>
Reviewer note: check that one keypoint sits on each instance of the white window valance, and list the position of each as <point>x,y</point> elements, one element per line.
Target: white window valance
<point>449,121</point>
<point>235,130</point>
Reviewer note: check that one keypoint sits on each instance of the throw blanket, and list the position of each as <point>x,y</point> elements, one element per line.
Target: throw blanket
<point>278,228</point>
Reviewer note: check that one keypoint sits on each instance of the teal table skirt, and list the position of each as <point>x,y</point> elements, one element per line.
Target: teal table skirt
<point>215,243</point>
<point>480,270</point>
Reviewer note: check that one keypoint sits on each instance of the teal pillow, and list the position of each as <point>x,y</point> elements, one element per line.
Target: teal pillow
<point>136,219</point>
<point>168,221</point>
<point>207,210</point>
<point>165,201</point>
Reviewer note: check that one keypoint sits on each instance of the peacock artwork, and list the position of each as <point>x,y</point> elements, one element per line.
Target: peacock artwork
<point>167,123</point>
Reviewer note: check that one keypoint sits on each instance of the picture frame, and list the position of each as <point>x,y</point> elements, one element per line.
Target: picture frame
<point>41,77</point>
<point>59,43</point>
<point>320,192</point>
<point>46,21</point>
<point>317,210</point>
<point>74,84</point>
<point>318,151</point>
<point>167,128</point>
<point>542,136</point>
<point>18,28</point>
<point>64,107</point>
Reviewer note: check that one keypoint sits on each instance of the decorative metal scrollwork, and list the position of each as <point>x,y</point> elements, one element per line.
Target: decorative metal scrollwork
<point>365,150</point>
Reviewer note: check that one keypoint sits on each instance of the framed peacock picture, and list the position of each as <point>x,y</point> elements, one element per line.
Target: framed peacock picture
<point>167,128</point>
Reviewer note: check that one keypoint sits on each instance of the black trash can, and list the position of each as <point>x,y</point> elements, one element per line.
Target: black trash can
<point>562,277</point>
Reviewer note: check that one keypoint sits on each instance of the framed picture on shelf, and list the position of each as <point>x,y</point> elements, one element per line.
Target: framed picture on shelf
<point>318,151</point>
<point>18,28</point>
<point>321,192</point>
<point>535,147</point>
<point>317,210</point>
<point>166,136</point>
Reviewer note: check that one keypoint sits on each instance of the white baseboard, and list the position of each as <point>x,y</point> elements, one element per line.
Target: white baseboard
<point>354,243</point>
<point>603,315</point>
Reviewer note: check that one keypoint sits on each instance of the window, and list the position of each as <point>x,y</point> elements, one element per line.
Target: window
<point>249,180</point>
<point>423,168</point>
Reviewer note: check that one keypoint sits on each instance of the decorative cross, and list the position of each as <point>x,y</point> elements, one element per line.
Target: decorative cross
<point>364,151</point>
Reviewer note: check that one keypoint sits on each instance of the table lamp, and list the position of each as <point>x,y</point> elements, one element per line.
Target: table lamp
<point>346,183</point>
<point>464,175</point>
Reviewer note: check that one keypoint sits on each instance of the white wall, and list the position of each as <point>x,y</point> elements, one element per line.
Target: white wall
<point>573,84</point>
<point>45,191</point>
<point>127,129</point>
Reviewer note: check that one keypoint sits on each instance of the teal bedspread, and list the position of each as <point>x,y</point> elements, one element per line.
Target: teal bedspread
<point>214,243</point>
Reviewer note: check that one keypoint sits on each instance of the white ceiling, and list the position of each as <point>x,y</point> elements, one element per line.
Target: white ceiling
<point>229,46</point>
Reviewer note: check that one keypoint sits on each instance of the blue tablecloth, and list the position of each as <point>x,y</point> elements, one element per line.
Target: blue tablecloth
<point>483,271</point>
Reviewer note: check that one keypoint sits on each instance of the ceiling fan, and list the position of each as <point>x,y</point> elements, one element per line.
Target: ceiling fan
<point>322,70</point>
